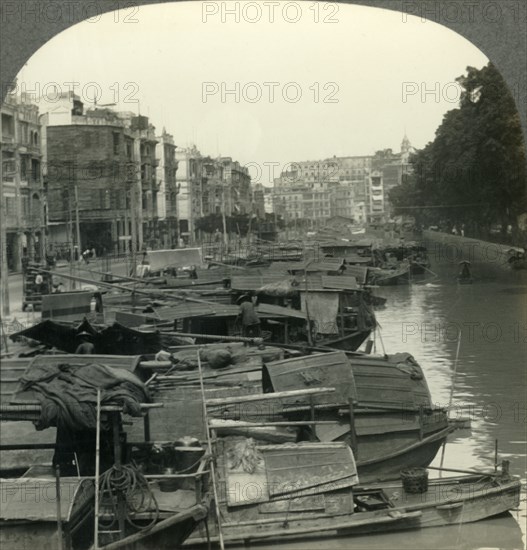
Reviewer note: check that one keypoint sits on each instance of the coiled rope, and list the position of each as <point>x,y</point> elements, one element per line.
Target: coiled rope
<point>127,483</point>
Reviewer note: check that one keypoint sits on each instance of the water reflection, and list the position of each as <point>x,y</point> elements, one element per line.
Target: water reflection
<point>490,387</point>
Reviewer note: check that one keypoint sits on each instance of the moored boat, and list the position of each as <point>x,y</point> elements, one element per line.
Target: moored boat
<point>465,276</point>
<point>297,491</point>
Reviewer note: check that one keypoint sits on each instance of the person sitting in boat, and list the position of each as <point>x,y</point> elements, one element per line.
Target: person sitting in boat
<point>85,347</point>
<point>465,274</point>
<point>248,317</point>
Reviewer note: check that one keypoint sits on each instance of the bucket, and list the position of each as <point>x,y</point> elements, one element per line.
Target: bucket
<point>415,480</point>
<point>188,454</point>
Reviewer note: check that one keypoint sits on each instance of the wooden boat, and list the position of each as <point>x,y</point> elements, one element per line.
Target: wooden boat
<point>162,494</point>
<point>517,259</point>
<point>386,277</point>
<point>355,252</point>
<point>465,276</point>
<point>382,407</point>
<point>412,252</point>
<point>312,489</point>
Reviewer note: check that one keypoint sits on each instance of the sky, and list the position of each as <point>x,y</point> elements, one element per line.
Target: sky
<point>307,82</point>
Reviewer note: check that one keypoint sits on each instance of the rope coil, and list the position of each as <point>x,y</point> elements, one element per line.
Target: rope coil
<point>129,484</point>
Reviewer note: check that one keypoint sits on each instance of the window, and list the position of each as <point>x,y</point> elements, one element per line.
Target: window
<point>35,171</point>
<point>8,127</point>
<point>104,198</point>
<point>9,168</point>
<point>25,206</point>
<point>23,167</point>
<point>10,205</point>
<point>24,132</point>
<point>116,143</point>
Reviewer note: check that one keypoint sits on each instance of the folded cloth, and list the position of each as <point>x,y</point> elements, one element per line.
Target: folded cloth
<point>67,393</point>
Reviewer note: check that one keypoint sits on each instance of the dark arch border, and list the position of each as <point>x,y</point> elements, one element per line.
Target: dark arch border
<point>504,42</point>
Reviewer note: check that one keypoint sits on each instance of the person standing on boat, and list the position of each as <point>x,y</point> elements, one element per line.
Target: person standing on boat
<point>249,318</point>
<point>85,347</point>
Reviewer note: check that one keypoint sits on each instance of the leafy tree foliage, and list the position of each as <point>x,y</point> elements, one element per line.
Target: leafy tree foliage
<point>473,173</point>
<point>235,224</point>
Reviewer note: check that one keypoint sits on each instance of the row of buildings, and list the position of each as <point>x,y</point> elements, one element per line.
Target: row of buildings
<point>354,187</point>
<point>76,178</point>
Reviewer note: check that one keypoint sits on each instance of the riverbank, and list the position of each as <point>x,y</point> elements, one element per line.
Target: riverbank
<point>455,248</point>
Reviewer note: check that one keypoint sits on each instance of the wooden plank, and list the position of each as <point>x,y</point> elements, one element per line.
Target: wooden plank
<point>385,423</point>
<point>293,468</point>
<point>322,369</point>
<point>341,282</point>
<point>267,396</point>
<point>254,282</point>
<point>270,309</point>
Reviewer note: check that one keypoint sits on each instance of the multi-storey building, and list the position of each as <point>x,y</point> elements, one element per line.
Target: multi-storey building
<point>353,187</point>
<point>168,190</point>
<point>210,186</point>
<point>190,182</point>
<point>102,186</point>
<point>22,182</point>
<point>377,199</point>
<point>268,200</point>
<point>258,201</point>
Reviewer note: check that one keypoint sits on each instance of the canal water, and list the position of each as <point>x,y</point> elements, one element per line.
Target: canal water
<point>490,387</point>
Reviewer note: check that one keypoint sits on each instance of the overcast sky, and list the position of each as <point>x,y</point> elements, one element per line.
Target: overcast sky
<point>373,64</point>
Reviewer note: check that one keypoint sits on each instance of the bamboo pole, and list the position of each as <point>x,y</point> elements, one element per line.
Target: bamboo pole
<point>60,541</point>
<point>195,511</point>
<point>267,396</point>
<point>209,448</point>
<point>97,471</point>
<point>256,340</point>
<point>4,280</point>
<point>151,294</point>
<point>218,424</point>
<point>454,374</point>
<point>459,471</point>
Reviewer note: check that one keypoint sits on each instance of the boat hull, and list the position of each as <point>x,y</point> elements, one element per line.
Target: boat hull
<point>350,342</point>
<point>420,454</point>
<point>447,502</point>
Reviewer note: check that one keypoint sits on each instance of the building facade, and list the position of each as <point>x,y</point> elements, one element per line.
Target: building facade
<point>189,183</point>
<point>210,185</point>
<point>24,207</point>
<point>102,184</point>
<point>352,187</point>
<point>168,190</point>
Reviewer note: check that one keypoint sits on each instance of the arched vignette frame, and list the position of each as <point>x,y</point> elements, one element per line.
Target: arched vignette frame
<point>498,28</point>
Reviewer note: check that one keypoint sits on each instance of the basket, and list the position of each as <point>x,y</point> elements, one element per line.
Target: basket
<point>415,481</point>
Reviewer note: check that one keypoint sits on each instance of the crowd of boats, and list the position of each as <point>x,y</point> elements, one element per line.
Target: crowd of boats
<point>163,422</point>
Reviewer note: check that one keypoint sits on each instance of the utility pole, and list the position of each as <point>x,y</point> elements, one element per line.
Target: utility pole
<point>224,220</point>
<point>70,239</point>
<point>77,222</point>
<point>4,282</point>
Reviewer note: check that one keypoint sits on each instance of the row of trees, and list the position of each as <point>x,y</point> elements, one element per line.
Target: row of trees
<point>473,172</point>
<point>239,224</point>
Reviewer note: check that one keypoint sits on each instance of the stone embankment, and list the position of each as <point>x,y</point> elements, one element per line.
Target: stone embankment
<point>455,248</point>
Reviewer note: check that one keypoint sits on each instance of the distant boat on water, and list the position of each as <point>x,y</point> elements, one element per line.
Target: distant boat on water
<point>465,276</point>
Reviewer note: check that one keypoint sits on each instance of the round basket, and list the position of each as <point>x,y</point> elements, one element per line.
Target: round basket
<point>415,480</point>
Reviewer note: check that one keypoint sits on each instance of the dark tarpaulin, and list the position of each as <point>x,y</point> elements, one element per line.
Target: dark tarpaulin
<point>67,393</point>
<point>114,340</point>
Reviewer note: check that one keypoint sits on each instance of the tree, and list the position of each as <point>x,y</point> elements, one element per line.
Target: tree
<point>473,172</point>
<point>239,223</point>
